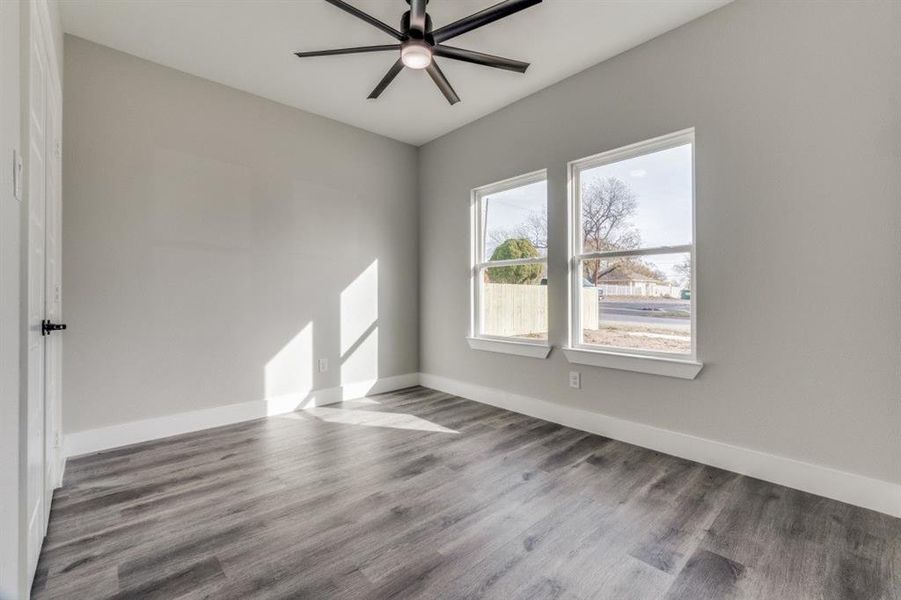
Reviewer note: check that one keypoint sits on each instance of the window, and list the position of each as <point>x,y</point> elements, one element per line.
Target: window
<point>509,266</point>
<point>632,250</point>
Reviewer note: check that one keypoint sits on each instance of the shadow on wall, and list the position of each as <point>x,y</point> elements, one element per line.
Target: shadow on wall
<point>289,377</point>
<point>255,277</point>
<point>249,268</point>
<point>289,382</point>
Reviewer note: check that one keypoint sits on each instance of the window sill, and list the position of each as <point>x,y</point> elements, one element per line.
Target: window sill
<point>510,347</point>
<point>655,365</point>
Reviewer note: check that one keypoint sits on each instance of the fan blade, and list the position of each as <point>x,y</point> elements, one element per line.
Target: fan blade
<point>417,14</point>
<point>483,17</point>
<point>368,18</point>
<point>387,79</point>
<point>480,58</point>
<point>347,50</point>
<point>442,83</point>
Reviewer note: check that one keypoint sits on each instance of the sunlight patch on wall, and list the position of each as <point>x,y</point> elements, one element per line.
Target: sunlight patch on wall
<point>359,306</point>
<point>289,374</point>
<point>362,363</point>
<point>359,329</point>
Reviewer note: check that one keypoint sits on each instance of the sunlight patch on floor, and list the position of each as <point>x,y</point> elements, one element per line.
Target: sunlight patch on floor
<point>374,419</point>
<point>362,401</point>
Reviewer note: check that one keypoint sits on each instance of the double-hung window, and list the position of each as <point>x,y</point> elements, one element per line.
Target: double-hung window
<point>509,266</point>
<point>632,292</point>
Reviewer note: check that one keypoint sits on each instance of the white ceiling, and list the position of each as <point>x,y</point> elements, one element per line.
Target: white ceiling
<point>248,45</point>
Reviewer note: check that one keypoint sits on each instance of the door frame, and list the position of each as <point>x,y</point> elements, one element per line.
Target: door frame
<point>53,287</point>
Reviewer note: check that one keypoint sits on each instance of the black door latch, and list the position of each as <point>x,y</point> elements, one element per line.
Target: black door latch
<point>47,327</point>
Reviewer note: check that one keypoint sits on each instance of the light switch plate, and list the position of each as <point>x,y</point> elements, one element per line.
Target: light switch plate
<point>575,379</point>
<point>323,365</point>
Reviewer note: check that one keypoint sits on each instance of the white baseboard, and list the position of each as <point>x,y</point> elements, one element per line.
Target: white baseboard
<point>123,434</point>
<point>874,494</point>
<point>60,469</point>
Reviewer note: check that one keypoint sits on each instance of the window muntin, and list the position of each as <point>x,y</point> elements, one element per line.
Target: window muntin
<point>509,270</point>
<point>632,249</point>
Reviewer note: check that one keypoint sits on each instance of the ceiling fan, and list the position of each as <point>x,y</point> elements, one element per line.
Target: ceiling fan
<point>419,44</point>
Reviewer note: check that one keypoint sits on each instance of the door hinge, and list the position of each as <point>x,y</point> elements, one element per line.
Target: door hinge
<point>17,175</point>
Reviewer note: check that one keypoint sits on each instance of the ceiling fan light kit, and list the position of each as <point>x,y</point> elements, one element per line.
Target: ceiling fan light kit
<point>419,44</point>
<point>416,54</point>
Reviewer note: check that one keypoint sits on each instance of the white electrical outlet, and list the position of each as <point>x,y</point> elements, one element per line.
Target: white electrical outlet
<point>323,365</point>
<point>575,379</point>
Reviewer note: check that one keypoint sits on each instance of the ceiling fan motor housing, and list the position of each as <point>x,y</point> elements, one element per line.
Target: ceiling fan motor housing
<point>415,33</point>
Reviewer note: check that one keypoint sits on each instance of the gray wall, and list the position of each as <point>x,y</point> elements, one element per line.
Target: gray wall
<point>206,229</point>
<point>798,125</point>
<point>11,322</point>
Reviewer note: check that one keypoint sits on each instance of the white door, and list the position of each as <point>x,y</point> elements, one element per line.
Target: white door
<point>37,183</point>
<point>44,302</point>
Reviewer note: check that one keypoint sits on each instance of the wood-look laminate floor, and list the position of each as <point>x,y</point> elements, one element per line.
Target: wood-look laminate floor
<point>419,494</point>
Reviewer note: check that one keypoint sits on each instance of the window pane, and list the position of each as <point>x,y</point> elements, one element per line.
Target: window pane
<point>514,222</point>
<point>638,303</point>
<point>514,301</point>
<point>641,202</point>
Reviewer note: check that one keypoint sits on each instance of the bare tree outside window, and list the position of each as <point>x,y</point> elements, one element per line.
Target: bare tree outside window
<point>607,206</point>
<point>534,229</point>
<point>683,269</point>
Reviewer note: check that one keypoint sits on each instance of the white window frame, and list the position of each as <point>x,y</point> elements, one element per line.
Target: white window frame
<point>685,366</point>
<point>476,339</point>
